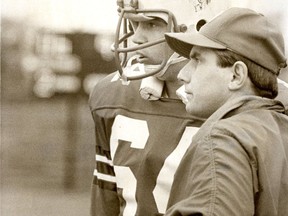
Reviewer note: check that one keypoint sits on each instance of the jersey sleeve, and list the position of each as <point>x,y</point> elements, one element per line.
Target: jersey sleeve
<point>104,191</point>
<point>104,198</point>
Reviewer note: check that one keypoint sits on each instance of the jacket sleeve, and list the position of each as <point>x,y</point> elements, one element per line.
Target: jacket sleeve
<point>215,177</point>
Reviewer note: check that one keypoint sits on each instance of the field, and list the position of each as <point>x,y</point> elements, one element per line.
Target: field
<point>47,157</point>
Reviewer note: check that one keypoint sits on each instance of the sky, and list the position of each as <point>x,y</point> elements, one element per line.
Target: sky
<point>100,16</point>
<point>84,15</point>
<point>93,15</point>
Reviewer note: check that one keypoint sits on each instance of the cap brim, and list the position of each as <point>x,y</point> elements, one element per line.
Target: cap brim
<point>182,43</point>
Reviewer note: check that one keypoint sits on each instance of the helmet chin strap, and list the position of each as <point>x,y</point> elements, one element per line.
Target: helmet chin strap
<point>138,69</point>
<point>174,59</point>
<point>131,70</point>
<point>151,87</point>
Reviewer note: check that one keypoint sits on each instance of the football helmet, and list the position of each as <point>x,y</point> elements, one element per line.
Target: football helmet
<point>180,15</point>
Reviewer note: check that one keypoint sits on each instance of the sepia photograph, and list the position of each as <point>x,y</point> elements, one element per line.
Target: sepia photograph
<point>144,107</point>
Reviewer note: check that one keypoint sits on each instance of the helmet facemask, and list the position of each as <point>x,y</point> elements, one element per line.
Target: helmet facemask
<point>128,18</point>
<point>179,16</point>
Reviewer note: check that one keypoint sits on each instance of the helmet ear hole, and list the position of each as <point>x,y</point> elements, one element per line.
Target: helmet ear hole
<point>200,23</point>
<point>183,28</point>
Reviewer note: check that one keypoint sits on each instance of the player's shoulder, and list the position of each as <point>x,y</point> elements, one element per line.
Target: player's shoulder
<point>113,81</point>
<point>112,89</point>
<point>104,82</point>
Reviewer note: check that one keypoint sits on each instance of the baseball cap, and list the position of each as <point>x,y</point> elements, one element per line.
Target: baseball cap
<point>240,30</point>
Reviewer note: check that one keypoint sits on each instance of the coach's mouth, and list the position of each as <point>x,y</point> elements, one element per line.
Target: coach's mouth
<point>189,94</point>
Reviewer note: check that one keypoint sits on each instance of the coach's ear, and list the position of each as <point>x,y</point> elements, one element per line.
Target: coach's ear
<point>240,76</point>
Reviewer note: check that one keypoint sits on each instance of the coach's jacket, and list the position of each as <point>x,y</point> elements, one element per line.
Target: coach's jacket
<point>236,164</point>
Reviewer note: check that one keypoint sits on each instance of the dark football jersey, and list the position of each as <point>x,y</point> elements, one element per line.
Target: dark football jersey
<point>139,145</point>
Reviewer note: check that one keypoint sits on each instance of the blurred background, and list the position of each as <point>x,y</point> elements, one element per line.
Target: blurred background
<point>52,53</point>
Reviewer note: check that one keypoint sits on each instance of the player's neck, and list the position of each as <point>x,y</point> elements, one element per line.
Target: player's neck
<point>170,88</point>
<point>171,81</point>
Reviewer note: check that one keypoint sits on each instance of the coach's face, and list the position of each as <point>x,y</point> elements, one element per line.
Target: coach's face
<point>206,84</point>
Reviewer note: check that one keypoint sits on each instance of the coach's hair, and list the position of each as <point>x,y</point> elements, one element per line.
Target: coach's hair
<point>264,80</point>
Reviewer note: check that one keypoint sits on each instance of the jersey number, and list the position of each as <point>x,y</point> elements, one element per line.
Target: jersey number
<point>136,132</point>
